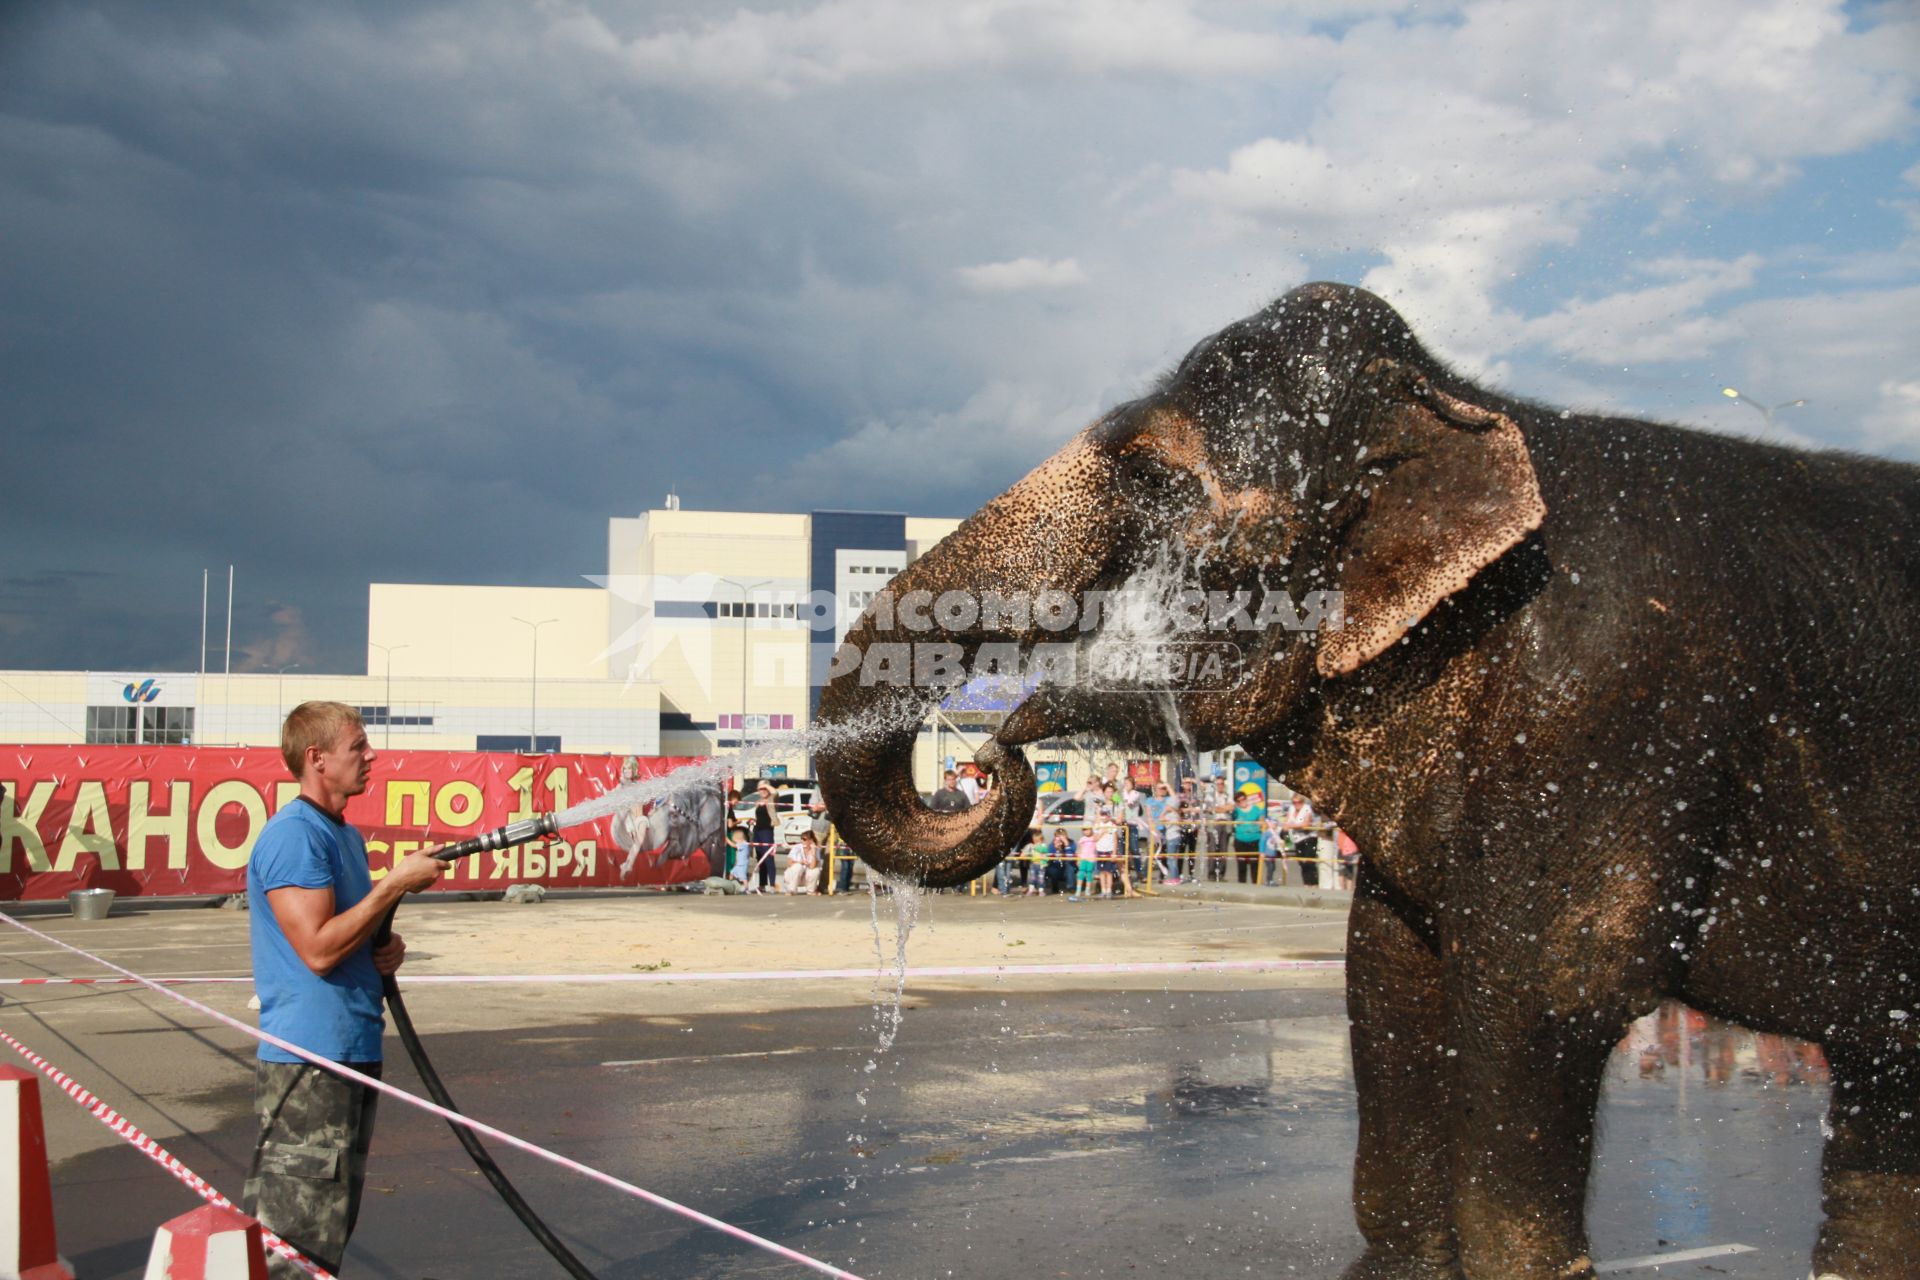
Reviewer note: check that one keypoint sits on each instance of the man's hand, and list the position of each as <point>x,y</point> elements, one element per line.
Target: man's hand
<point>417,870</point>
<point>387,958</point>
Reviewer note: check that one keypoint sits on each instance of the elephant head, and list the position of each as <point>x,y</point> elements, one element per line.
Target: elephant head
<point>1304,488</point>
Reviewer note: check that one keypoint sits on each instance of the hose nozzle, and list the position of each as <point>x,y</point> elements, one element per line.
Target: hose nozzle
<point>502,837</point>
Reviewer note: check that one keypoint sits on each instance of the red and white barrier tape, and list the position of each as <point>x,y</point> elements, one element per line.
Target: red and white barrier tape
<point>454,1117</point>
<point>125,1128</point>
<point>767,975</point>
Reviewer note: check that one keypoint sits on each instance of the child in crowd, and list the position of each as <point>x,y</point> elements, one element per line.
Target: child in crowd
<point>1060,864</point>
<point>1105,841</point>
<point>1089,852</point>
<point>1037,866</point>
<point>741,868</point>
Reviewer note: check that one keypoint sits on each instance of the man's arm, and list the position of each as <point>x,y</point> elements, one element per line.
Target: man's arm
<point>322,939</point>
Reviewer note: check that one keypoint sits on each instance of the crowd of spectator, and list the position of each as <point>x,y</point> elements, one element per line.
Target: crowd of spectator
<point>1101,842</point>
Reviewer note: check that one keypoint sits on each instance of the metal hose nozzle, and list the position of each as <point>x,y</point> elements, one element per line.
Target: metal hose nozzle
<point>502,837</point>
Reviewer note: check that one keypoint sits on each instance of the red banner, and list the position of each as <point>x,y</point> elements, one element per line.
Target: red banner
<point>178,821</point>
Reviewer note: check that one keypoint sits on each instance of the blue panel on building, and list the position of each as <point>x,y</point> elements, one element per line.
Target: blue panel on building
<point>833,532</point>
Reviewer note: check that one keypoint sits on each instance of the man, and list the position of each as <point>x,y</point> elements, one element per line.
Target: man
<point>970,788</point>
<point>314,909</point>
<point>822,828</point>
<point>949,798</point>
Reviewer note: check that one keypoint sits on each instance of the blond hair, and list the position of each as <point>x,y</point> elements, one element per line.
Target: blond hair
<point>314,724</point>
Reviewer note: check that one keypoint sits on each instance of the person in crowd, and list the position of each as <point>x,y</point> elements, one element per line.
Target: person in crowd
<point>1087,865</point>
<point>1036,866</point>
<point>970,788</point>
<point>741,867</point>
<point>1192,810</point>
<point>949,798</point>
<point>803,865</point>
<point>766,821</point>
<point>1172,835</point>
<point>314,910</point>
<point>1298,823</point>
<point>1349,857</point>
<point>1219,829</point>
<point>1093,799</point>
<point>1139,833</point>
<point>1061,870</point>
<point>1248,817</point>
<point>822,827</point>
<point>1106,842</point>
<point>1273,850</point>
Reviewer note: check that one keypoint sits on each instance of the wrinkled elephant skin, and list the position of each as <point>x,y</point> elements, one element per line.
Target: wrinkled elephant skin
<point>1617,712</point>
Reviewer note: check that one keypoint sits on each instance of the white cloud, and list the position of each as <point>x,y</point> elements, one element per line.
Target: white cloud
<point>1022,273</point>
<point>1893,423</point>
<point>1462,153</point>
<point>1664,322</point>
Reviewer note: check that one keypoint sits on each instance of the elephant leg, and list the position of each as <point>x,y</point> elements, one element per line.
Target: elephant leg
<point>1401,1181</point>
<point>1525,1091</point>
<point>1870,1174</point>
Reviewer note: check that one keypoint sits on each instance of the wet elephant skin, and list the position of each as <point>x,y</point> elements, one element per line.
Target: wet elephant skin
<point>1618,712</point>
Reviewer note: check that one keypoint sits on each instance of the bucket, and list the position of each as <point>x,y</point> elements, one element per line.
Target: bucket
<point>90,904</point>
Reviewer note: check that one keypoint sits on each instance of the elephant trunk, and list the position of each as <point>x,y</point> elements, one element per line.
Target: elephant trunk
<point>866,778</point>
<point>1051,532</point>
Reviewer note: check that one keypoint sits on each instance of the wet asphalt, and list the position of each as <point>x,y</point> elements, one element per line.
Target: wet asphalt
<point>1044,1127</point>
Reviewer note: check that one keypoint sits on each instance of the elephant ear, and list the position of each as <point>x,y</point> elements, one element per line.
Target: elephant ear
<point>1457,491</point>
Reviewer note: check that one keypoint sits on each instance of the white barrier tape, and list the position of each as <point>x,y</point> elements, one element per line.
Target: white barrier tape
<point>454,1117</point>
<point>768,975</point>
<point>125,1128</point>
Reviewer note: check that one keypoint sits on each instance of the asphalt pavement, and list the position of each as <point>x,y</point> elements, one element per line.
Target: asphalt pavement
<point>1018,1123</point>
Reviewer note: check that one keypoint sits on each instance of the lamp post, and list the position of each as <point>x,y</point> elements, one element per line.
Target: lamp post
<point>743,588</point>
<point>280,691</point>
<point>389,650</point>
<point>533,696</point>
<point>1765,411</point>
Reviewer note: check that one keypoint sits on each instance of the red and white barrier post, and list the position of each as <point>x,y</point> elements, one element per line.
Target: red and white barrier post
<point>27,1248</point>
<point>209,1243</point>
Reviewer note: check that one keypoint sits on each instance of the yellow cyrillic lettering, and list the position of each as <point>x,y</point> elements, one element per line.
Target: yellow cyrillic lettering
<point>207,827</point>
<point>89,828</point>
<point>24,826</point>
<point>143,823</point>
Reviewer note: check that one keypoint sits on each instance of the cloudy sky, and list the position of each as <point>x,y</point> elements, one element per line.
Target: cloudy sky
<point>415,292</point>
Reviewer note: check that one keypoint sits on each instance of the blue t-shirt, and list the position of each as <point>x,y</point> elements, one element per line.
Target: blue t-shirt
<point>338,1016</point>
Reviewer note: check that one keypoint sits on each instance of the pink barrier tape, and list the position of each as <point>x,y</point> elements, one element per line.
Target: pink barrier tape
<point>126,1129</point>
<point>454,1117</point>
<point>768,975</point>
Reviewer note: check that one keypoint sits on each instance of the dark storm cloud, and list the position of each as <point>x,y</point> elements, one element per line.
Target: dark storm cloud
<point>322,295</point>
<point>426,292</point>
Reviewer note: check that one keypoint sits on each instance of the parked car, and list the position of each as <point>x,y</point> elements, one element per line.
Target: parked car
<point>791,796</point>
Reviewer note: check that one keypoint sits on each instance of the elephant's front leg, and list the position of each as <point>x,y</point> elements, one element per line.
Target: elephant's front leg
<point>1402,1192</point>
<point>1526,1083</point>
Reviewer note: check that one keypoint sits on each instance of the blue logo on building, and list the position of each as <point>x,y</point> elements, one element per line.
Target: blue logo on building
<point>146,691</point>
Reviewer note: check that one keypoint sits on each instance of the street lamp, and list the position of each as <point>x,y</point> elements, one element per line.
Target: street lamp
<point>389,650</point>
<point>280,691</point>
<point>533,696</point>
<point>743,589</point>
<point>1765,411</point>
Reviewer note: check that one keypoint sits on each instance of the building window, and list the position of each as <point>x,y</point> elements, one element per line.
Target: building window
<point>755,721</point>
<point>139,725</point>
<point>385,717</point>
<point>860,599</point>
<point>167,726</point>
<point>113,726</point>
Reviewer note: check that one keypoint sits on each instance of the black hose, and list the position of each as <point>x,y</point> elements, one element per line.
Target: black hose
<point>468,1139</point>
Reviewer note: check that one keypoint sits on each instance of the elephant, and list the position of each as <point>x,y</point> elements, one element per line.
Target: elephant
<point>1618,713</point>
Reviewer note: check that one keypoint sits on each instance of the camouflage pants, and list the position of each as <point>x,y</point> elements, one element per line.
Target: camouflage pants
<point>310,1160</point>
